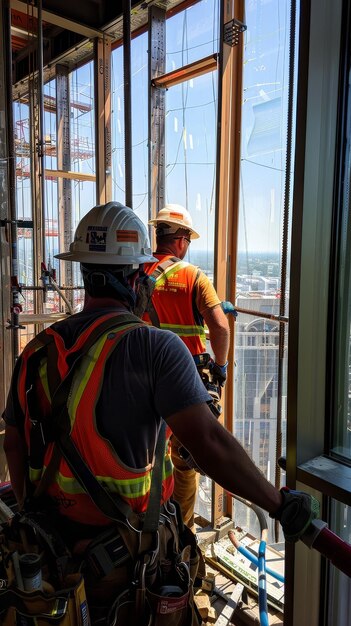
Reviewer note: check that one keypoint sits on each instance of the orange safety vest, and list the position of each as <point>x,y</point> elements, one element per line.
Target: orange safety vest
<point>173,301</point>
<point>132,485</point>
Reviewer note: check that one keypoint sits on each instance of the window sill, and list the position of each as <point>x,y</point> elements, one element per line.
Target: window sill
<point>328,476</point>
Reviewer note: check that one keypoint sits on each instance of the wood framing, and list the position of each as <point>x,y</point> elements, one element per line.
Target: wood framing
<point>228,168</point>
<point>70,175</point>
<point>208,64</point>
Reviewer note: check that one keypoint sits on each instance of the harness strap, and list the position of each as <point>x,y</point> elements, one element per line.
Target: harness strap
<point>152,515</point>
<point>158,271</point>
<point>61,425</point>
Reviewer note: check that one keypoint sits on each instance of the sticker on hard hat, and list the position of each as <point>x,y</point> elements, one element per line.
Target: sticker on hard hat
<point>96,238</point>
<point>127,235</point>
<point>176,216</point>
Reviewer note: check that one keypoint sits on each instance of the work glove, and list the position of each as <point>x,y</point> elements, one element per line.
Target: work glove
<point>218,373</point>
<point>296,513</point>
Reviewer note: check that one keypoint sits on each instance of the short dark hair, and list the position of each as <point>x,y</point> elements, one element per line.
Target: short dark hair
<point>162,235</point>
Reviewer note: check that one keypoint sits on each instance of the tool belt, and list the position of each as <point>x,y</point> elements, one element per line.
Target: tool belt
<point>111,582</point>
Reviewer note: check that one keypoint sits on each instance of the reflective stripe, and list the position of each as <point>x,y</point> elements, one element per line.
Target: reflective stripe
<point>132,484</point>
<point>167,273</point>
<point>44,378</point>
<point>189,331</point>
<point>129,488</point>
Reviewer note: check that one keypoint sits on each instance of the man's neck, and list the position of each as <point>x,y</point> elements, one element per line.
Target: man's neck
<point>104,303</point>
<point>166,249</point>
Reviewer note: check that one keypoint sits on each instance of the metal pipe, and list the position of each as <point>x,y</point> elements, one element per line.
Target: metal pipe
<point>267,316</point>
<point>15,307</point>
<point>127,102</point>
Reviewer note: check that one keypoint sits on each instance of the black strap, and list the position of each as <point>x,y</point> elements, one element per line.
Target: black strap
<point>113,507</point>
<point>199,320</point>
<point>152,515</point>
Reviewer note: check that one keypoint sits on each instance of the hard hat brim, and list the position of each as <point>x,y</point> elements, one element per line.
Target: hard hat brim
<point>105,259</point>
<point>193,233</point>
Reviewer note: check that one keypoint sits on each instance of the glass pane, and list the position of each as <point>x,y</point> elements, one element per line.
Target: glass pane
<point>256,396</point>
<point>191,121</point>
<point>117,126</point>
<point>342,400</point>
<point>24,212</point>
<point>82,130</point>
<point>263,151</point>
<point>192,34</point>
<point>260,399</point>
<point>23,194</point>
<point>82,139</point>
<point>139,70</point>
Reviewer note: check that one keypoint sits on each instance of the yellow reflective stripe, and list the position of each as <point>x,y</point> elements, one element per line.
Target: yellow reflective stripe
<point>44,377</point>
<point>160,281</point>
<point>129,488</point>
<point>186,330</point>
<point>80,381</point>
<point>82,376</point>
<point>34,474</point>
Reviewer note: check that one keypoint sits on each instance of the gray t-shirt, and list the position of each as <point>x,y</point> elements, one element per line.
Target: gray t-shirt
<point>150,374</point>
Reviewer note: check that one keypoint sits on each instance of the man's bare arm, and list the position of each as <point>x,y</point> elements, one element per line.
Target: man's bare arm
<point>218,327</point>
<point>15,451</point>
<point>222,457</point>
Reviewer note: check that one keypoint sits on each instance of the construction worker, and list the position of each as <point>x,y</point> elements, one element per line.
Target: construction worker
<point>129,378</point>
<point>183,301</point>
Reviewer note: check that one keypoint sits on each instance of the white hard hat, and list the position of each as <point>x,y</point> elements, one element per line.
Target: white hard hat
<point>177,217</point>
<point>110,234</point>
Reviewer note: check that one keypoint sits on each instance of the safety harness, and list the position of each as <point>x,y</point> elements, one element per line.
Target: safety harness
<point>155,276</point>
<point>57,429</point>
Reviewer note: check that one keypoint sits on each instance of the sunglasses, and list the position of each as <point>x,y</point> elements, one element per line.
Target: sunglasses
<point>183,237</point>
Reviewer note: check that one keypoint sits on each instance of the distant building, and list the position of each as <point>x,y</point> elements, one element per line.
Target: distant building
<point>256,381</point>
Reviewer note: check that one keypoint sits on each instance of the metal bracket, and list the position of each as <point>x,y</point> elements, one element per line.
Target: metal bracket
<point>232,31</point>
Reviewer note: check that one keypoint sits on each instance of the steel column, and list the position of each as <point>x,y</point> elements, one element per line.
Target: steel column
<point>157,66</point>
<point>102,71</point>
<point>7,227</point>
<point>128,154</point>
<point>38,225</point>
<point>64,185</point>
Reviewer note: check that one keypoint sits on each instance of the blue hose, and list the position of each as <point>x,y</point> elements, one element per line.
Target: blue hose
<point>262,589</point>
<point>251,557</point>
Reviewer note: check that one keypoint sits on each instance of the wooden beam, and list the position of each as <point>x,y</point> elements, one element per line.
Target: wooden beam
<point>70,175</point>
<point>209,64</point>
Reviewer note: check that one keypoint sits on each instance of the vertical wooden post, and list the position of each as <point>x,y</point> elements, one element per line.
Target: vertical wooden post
<point>228,187</point>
